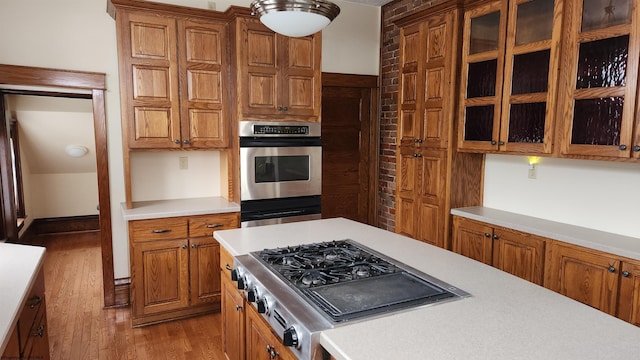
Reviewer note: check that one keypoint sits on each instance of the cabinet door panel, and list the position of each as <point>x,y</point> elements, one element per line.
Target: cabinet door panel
<point>629,297</point>
<point>473,240</point>
<point>233,319</point>
<point>584,276</point>
<point>204,258</point>
<point>261,342</point>
<point>160,276</point>
<point>520,254</point>
<point>408,127</point>
<point>300,74</point>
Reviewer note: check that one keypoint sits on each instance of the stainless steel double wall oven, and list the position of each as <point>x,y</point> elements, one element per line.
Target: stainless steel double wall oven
<point>280,172</point>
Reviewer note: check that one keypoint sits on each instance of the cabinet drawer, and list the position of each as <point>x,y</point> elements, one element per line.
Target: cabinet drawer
<point>225,259</point>
<point>158,229</point>
<point>35,300</point>
<point>205,225</point>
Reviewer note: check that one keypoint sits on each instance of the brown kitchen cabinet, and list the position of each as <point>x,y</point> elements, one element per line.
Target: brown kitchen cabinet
<point>510,55</point>
<point>173,74</point>
<point>30,339</point>
<point>421,194</point>
<point>515,252</point>
<point>174,266</point>
<point>601,49</point>
<point>261,342</point>
<point>604,281</point>
<point>277,77</point>
<point>431,177</point>
<point>233,319</point>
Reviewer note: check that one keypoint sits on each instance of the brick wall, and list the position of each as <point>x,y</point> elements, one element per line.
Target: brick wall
<point>389,52</point>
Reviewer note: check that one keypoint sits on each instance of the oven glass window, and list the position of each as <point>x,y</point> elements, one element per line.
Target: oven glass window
<point>282,168</point>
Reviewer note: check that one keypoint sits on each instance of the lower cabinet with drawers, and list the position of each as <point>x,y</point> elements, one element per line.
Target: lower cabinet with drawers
<point>607,282</point>
<point>175,266</point>
<point>29,339</point>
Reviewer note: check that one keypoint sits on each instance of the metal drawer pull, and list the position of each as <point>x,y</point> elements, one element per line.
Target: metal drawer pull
<point>160,231</point>
<point>213,226</point>
<point>228,267</point>
<point>35,301</point>
<point>238,307</point>
<point>40,331</point>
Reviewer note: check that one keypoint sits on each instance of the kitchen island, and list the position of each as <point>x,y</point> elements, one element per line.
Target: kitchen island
<point>505,318</point>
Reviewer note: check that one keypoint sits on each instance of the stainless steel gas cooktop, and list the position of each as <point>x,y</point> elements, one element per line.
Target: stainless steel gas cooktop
<point>302,290</point>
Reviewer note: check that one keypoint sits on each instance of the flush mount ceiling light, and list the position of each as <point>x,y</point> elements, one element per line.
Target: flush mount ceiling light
<point>76,151</point>
<point>295,18</point>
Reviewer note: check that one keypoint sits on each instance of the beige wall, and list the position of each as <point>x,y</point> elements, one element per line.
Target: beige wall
<point>80,35</point>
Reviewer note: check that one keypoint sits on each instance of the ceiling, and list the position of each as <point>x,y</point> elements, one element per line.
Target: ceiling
<point>46,125</point>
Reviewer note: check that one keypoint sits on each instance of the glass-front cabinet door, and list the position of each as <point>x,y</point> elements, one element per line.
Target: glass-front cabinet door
<point>600,84</point>
<point>509,76</point>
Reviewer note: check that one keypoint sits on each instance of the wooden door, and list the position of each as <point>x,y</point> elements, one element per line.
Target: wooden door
<point>204,270</point>
<point>432,175</point>
<point>519,254</point>
<point>473,240</point>
<point>346,147</point>
<point>159,276</point>
<point>149,80</point>
<point>203,81</point>
<point>586,276</point>
<point>409,93</point>
<point>261,343</point>
<point>629,296</point>
<point>300,76</point>
<point>233,318</point>
<point>407,191</point>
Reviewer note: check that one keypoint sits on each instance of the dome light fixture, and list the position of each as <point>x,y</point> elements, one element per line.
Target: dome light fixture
<point>76,151</point>
<point>295,18</point>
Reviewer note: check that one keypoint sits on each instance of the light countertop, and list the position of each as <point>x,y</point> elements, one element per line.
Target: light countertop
<point>598,240</point>
<point>19,267</point>
<point>179,207</point>
<point>505,318</point>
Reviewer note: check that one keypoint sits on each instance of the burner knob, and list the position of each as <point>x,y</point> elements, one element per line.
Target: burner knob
<point>290,337</point>
<point>252,295</point>
<point>242,283</point>
<point>234,275</point>
<point>262,306</point>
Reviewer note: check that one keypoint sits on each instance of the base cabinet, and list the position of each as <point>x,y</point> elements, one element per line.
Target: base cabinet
<point>517,253</point>
<point>233,317</point>
<point>174,266</point>
<point>30,339</point>
<point>603,281</point>
<point>262,343</point>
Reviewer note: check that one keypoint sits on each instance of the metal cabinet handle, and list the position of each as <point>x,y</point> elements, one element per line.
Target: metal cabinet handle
<point>35,301</point>
<point>636,148</point>
<point>496,237</point>
<point>238,307</point>
<point>160,231</point>
<point>493,142</point>
<point>176,141</point>
<point>193,246</point>
<point>186,142</point>
<point>611,269</point>
<point>213,226</point>
<point>626,273</point>
<point>228,267</point>
<point>39,332</point>
<point>487,235</point>
<point>500,143</point>
<point>184,246</point>
<point>272,352</point>
<point>623,147</point>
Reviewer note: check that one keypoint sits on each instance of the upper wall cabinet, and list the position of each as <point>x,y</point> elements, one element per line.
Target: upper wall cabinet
<point>599,86</point>
<point>509,76</point>
<point>173,72</point>
<point>278,77</point>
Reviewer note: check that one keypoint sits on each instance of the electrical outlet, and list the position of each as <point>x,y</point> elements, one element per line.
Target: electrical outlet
<point>183,162</point>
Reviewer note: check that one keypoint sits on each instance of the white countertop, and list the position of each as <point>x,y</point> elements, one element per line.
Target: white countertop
<point>505,318</point>
<point>599,240</point>
<point>19,265</point>
<point>179,207</point>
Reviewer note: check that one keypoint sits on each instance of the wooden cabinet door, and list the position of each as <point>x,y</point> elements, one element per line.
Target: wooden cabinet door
<point>261,343</point>
<point>519,254</point>
<point>599,78</point>
<point>204,270</point>
<point>300,76</point>
<point>473,240</point>
<point>629,296</point>
<point>233,319</point>
<point>431,214</point>
<point>587,276</point>
<point>411,40</point>
<point>203,69</point>
<point>149,80</point>
<point>407,196</point>
<point>159,276</point>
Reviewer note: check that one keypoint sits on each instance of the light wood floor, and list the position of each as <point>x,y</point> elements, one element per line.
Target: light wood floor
<point>79,327</point>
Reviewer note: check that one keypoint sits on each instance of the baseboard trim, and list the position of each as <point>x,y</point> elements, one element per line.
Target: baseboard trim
<point>66,224</point>
<point>122,292</point>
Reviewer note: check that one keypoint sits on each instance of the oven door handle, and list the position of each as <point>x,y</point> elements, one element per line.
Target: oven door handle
<point>278,214</point>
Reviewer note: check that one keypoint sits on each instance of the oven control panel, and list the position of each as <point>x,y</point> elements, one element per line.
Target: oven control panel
<point>280,129</point>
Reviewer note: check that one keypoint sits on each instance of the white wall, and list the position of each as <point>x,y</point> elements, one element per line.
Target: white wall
<point>59,195</point>
<point>602,195</point>
<point>80,35</point>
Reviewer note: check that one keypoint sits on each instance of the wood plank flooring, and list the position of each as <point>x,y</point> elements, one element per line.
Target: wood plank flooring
<point>79,327</point>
